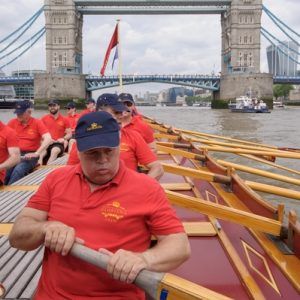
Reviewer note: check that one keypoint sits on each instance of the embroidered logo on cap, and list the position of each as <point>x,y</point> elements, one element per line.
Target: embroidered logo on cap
<point>94,126</point>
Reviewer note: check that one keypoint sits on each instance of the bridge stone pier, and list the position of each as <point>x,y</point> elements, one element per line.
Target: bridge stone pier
<point>64,79</point>
<point>240,71</point>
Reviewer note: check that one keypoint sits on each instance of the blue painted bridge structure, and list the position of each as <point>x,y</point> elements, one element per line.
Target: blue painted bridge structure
<point>208,82</point>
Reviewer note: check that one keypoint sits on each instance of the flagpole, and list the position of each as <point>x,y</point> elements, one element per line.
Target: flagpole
<point>119,58</point>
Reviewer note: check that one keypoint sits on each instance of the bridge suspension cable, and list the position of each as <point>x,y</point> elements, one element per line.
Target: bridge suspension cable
<point>32,19</point>
<point>276,21</point>
<point>268,12</point>
<point>22,32</point>
<point>280,42</point>
<point>279,49</point>
<point>33,42</point>
<point>19,47</point>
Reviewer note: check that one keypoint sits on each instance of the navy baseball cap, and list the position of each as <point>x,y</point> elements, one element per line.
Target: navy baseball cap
<point>97,130</point>
<point>53,101</point>
<point>111,100</point>
<point>71,105</point>
<point>90,100</point>
<point>126,97</point>
<point>22,106</point>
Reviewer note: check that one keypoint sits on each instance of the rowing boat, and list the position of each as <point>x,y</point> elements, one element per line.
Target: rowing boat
<point>242,246</point>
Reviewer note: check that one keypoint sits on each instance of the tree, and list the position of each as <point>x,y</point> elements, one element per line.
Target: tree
<point>282,90</point>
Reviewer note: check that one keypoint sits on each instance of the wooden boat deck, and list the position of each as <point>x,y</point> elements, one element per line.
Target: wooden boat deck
<point>226,257</point>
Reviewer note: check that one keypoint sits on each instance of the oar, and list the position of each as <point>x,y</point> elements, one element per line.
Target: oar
<point>156,285</point>
<point>249,220</point>
<point>195,133</point>
<point>180,152</point>
<point>284,154</point>
<point>213,177</point>
<point>153,283</point>
<point>269,163</point>
<point>208,176</point>
<point>272,189</point>
<point>259,172</point>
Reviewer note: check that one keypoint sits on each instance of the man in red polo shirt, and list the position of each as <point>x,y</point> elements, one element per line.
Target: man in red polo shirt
<point>106,206</point>
<point>133,149</point>
<point>60,130</point>
<point>134,121</point>
<point>90,106</point>
<point>33,137</point>
<point>73,118</point>
<point>9,150</point>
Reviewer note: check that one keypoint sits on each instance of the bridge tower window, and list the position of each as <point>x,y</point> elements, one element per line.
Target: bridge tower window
<point>60,40</point>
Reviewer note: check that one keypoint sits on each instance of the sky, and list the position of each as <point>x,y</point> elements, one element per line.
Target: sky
<point>178,44</point>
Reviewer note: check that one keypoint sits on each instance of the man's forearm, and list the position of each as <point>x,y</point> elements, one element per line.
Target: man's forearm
<point>44,145</point>
<point>10,162</point>
<point>27,234</point>
<point>155,170</point>
<point>168,253</point>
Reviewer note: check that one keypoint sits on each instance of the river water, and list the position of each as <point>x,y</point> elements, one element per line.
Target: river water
<point>279,128</point>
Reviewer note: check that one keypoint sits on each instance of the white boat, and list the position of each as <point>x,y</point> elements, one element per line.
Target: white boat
<point>278,104</point>
<point>245,104</point>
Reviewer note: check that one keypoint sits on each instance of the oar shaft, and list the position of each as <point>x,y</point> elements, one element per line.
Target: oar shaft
<point>284,154</point>
<point>146,280</point>
<point>180,152</point>
<point>226,213</point>
<point>271,189</point>
<point>259,172</point>
<point>208,176</point>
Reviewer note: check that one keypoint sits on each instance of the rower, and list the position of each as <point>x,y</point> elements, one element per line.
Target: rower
<point>135,121</point>
<point>60,130</point>
<point>9,150</point>
<point>90,107</point>
<point>133,149</point>
<point>34,138</point>
<point>109,208</point>
<point>73,117</point>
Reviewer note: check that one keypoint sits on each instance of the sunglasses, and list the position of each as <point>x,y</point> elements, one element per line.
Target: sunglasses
<point>68,108</point>
<point>128,104</point>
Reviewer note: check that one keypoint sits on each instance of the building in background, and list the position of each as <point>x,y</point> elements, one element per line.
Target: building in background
<point>25,91</point>
<point>282,58</point>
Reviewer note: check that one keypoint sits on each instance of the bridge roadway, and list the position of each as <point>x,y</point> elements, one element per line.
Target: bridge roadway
<point>148,7</point>
<point>209,82</point>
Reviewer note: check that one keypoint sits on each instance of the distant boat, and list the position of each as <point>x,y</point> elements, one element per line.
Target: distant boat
<point>245,104</point>
<point>8,103</point>
<point>278,104</point>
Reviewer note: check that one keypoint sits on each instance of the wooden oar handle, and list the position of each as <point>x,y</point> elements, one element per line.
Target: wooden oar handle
<point>146,280</point>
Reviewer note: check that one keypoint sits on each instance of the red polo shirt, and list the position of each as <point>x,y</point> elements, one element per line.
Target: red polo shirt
<point>142,128</point>
<point>117,215</point>
<point>133,150</point>
<point>8,139</point>
<point>57,127</point>
<point>73,120</point>
<point>86,111</point>
<point>29,134</point>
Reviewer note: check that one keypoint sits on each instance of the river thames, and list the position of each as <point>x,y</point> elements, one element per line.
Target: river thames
<point>279,128</point>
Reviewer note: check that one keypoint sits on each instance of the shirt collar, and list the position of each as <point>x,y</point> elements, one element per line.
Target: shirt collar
<point>116,180</point>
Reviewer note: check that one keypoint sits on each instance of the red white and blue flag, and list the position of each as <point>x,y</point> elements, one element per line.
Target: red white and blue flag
<point>113,43</point>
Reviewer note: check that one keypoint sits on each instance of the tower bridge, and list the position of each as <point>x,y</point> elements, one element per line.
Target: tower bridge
<point>240,47</point>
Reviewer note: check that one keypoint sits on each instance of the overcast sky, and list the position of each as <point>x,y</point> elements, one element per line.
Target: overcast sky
<point>150,44</point>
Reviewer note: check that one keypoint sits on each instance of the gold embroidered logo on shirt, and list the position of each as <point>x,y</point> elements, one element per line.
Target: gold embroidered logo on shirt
<point>113,212</point>
<point>124,147</point>
<point>94,126</point>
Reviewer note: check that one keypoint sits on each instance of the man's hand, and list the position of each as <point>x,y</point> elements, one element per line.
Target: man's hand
<point>31,155</point>
<point>125,265</point>
<point>59,237</point>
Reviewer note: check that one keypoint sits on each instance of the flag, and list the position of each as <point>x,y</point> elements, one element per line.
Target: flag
<point>113,43</point>
<point>116,56</point>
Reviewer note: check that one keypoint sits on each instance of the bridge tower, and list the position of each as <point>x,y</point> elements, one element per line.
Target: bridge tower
<point>64,79</point>
<point>240,67</point>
